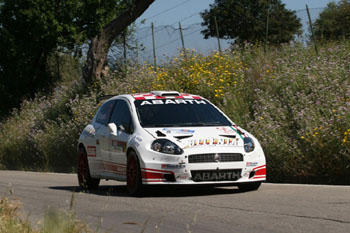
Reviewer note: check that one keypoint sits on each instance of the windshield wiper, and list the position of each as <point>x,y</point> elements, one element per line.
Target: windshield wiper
<point>183,136</point>
<point>216,123</point>
<point>160,125</point>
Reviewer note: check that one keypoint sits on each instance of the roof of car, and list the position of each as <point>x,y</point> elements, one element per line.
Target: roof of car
<point>164,95</point>
<point>151,96</point>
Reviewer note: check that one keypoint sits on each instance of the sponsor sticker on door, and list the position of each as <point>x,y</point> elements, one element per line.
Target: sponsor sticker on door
<point>91,151</point>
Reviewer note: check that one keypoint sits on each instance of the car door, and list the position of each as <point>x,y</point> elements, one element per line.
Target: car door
<point>121,117</point>
<point>102,133</point>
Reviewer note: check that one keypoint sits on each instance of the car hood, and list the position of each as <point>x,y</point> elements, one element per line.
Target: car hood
<point>193,137</point>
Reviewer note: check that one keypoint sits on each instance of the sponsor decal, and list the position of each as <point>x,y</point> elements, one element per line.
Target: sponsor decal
<point>136,141</point>
<point>252,164</point>
<point>183,176</point>
<point>226,130</point>
<point>175,101</point>
<point>171,159</point>
<point>179,131</point>
<point>91,151</point>
<point>173,166</point>
<point>212,142</point>
<point>119,145</point>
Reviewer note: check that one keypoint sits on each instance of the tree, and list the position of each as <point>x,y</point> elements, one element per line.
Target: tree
<point>333,22</point>
<point>101,43</point>
<point>245,20</point>
<point>33,30</point>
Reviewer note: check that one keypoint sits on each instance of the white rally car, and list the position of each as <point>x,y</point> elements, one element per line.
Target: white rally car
<point>167,138</point>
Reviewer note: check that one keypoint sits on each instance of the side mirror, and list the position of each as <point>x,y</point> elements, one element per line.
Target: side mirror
<point>122,127</point>
<point>112,128</point>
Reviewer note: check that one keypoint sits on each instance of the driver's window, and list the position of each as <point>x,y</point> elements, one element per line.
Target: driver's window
<point>104,113</point>
<point>121,116</point>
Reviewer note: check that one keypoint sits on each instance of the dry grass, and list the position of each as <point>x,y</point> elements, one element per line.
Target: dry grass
<point>55,221</point>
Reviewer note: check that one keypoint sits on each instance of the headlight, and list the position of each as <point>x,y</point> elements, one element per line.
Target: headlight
<point>248,144</point>
<point>166,146</point>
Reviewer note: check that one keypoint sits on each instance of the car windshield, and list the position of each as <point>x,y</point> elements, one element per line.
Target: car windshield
<point>179,113</point>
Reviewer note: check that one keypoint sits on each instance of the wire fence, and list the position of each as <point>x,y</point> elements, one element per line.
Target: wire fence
<point>168,43</point>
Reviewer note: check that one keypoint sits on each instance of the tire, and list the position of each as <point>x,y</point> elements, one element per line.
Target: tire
<point>252,186</point>
<point>86,182</point>
<point>133,175</point>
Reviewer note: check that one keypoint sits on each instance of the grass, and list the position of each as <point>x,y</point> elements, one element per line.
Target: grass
<point>54,221</point>
<point>296,103</point>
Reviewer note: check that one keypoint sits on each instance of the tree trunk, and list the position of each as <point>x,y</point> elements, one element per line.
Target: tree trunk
<point>100,44</point>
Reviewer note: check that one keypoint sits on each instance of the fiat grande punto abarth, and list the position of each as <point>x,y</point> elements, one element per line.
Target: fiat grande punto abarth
<point>167,138</point>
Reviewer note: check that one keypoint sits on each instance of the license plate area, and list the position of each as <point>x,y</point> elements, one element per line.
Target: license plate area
<point>216,175</point>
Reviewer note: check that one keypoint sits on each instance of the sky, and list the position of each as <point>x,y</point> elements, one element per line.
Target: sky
<point>170,12</point>
<point>166,15</point>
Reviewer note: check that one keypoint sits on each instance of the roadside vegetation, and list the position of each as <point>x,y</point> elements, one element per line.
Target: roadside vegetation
<point>54,221</point>
<point>296,103</point>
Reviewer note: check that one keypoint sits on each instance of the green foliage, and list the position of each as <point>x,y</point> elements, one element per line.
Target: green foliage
<point>301,113</point>
<point>35,138</point>
<point>333,22</point>
<point>242,20</point>
<point>32,30</point>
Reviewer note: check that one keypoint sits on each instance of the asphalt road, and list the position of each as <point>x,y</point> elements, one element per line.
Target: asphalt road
<point>273,208</point>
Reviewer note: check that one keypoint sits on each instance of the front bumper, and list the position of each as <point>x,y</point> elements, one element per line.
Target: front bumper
<point>157,168</point>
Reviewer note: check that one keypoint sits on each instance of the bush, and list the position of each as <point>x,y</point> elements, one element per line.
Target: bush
<point>301,114</point>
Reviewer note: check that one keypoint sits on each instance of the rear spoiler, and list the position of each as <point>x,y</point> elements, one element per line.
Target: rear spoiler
<point>104,97</point>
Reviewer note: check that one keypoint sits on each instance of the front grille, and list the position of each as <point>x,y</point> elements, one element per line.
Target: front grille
<point>212,158</point>
<point>216,175</point>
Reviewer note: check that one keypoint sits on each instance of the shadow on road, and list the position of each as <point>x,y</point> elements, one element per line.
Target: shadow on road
<point>155,191</point>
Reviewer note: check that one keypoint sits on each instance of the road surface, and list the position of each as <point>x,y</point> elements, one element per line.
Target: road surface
<point>273,208</point>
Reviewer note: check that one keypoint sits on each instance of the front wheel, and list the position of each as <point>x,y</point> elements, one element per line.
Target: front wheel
<point>86,182</point>
<point>252,186</point>
<point>134,178</point>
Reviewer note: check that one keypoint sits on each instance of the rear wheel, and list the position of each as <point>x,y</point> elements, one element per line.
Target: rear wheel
<point>134,178</point>
<point>86,182</point>
<point>252,186</point>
